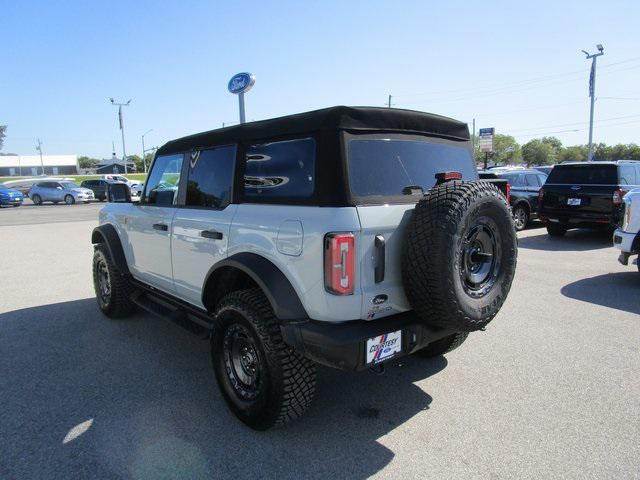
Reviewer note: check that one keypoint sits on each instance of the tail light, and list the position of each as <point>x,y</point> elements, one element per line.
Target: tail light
<point>442,177</point>
<point>508,193</point>
<point>339,263</point>
<point>618,195</point>
<point>540,197</point>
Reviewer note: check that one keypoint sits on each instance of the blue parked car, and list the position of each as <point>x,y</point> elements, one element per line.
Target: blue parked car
<point>9,196</point>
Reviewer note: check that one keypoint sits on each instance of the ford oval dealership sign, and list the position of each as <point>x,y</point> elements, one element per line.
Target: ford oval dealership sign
<point>241,82</point>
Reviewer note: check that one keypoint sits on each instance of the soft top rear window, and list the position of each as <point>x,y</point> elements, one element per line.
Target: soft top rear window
<point>588,174</point>
<point>383,169</point>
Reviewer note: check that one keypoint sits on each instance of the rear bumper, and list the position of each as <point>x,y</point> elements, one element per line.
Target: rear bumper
<point>343,345</point>
<point>576,219</point>
<point>624,241</point>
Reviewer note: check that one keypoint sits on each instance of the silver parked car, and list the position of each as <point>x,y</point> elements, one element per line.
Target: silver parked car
<point>64,191</point>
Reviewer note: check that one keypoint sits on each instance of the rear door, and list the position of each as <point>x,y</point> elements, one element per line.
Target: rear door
<point>387,175</point>
<point>201,226</point>
<point>581,190</point>
<point>150,222</point>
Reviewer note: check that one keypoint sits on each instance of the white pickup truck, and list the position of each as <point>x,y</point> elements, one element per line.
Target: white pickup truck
<point>627,237</point>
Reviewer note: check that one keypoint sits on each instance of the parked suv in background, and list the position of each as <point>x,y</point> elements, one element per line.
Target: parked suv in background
<point>67,192</point>
<point>523,194</point>
<point>586,194</point>
<point>98,187</point>
<point>627,237</point>
<point>344,237</point>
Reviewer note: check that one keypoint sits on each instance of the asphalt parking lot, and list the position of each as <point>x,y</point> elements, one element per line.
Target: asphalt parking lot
<point>550,390</point>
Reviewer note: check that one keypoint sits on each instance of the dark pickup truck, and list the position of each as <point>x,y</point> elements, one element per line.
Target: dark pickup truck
<point>586,195</point>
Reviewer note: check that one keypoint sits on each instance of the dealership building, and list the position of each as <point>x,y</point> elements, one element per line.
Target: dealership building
<point>32,165</point>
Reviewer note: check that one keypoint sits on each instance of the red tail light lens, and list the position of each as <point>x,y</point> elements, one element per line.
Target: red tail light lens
<point>447,176</point>
<point>508,189</point>
<point>618,195</point>
<point>339,263</point>
<point>540,196</point>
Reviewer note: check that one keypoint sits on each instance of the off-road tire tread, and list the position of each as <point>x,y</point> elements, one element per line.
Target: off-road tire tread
<point>297,373</point>
<point>427,256</point>
<point>444,345</point>
<point>120,305</point>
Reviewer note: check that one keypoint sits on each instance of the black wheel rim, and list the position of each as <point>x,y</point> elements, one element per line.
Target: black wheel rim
<point>480,257</point>
<point>104,282</point>
<point>520,218</point>
<point>242,362</point>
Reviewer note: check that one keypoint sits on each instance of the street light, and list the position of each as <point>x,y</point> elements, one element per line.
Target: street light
<point>592,92</point>
<point>144,161</point>
<point>121,121</point>
<point>39,149</point>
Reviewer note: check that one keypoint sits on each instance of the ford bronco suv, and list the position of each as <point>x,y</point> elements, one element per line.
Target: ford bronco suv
<point>344,237</point>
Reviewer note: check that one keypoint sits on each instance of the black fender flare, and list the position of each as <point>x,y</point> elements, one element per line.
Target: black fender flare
<point>635,246</point>
<point>522,201</point>
<point>276,286</point>
<point>108,235</point>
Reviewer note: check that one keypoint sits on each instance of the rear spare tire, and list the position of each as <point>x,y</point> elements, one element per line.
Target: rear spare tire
<point>459,255</point>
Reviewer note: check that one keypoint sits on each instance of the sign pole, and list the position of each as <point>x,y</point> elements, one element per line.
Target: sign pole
<point>486,159</point>
<point>241,106</point>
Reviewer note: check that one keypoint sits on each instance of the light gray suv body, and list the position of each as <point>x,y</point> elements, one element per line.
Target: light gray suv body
<point>59,191</point>
<point>346,237</point>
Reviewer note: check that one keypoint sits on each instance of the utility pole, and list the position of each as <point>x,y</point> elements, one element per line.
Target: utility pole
<point>389,103</point>
<point>592,93</point>
<point>39,149</point>
<point>121,121</point>
<point>144,161</point>
<point>473,138</point>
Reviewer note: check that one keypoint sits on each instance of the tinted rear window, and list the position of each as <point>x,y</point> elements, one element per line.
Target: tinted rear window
<point>584,174</point>
<point>384,167</point>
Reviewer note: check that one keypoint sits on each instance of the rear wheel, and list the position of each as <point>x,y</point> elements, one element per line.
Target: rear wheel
<point>520,217</point>
<point>69,200</point>
<point>444,345</point>
<point>36,199</point>
<point>113,289</point>
<point>556,230</point>
<point>263,380</point>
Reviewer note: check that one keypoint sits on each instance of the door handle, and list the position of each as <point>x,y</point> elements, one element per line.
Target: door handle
<point>160,226</point>
<point>213,234</point>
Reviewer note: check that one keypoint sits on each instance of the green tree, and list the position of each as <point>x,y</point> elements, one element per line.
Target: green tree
<point>3,129</point>
<point>505,151</point>
<point>575,153</point>
<point>87,162</point>
<point>538,152</point>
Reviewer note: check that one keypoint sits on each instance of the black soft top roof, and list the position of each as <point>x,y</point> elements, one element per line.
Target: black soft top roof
<point>357,119</point>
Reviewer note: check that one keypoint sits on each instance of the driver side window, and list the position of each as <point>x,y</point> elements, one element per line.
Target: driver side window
<point>161,187</point>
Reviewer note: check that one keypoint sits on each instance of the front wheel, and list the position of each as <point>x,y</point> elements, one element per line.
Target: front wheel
<point>520,217</point>
<point>263,380</point>
<point>69,200</point>
<point>113,289</point>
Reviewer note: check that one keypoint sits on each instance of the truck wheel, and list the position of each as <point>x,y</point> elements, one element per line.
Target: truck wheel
<point>520,217</point>
<point>113,290</point>
<point>263,380</point>
<point>556,230</point>
<point>444,345</point>
<point>459,255</point>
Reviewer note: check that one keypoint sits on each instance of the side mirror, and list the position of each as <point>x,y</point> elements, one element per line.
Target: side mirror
<point>58,188</point>
<point>118,193</point>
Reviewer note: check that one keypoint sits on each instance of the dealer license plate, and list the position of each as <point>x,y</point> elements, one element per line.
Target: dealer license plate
<point>573,201</point>
<point>384,347</point>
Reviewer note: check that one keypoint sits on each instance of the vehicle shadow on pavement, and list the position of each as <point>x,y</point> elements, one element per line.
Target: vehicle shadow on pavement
<point>614,290</point>
<point>573,241</point>
<point>84,396</point>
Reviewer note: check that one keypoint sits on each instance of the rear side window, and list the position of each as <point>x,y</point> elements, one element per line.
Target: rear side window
<point>591,174</point>
<point>162,183</point>
<point>532,180</point>
<point>514,179</point>
<point>211,177</point>
<point>628,175</point>
<point>389,167</point>
<point>280,169</point>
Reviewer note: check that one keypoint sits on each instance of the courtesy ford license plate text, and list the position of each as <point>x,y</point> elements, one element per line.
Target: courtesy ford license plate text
<point>383,347</point>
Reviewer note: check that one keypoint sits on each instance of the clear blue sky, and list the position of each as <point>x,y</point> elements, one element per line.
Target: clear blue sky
<point>513,65</point>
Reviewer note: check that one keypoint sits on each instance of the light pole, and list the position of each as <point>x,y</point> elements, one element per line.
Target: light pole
<point>121,121</point>
<point>592,92</point>
<point>39,149</point>
<point>144,161</point>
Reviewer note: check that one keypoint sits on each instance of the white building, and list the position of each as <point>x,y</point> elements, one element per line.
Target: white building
<point>29,165</point>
